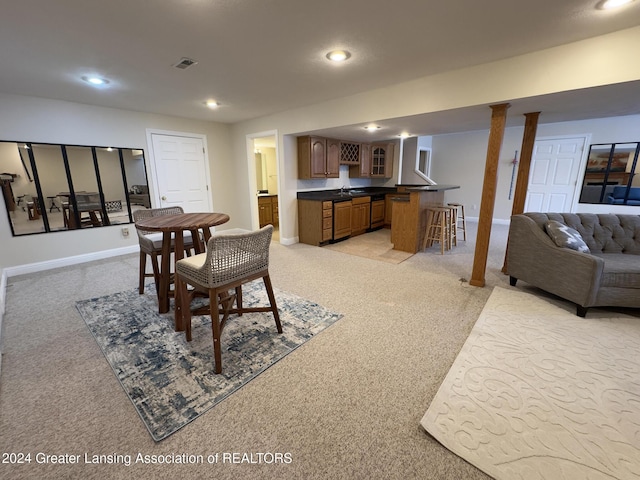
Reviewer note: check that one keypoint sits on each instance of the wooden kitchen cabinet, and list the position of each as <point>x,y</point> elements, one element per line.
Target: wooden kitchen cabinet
<point>268,210</point>
<point>333,158</point>
<point>364,169</point>
<point>341,219</point>
<point>378,213</point>
<point>349,153</point>
<point>360,215</point>
<point>318,157</point>
<point>388,208</point>
<point>381,160</point>
<point>315,221</point>
<point>376,161</point>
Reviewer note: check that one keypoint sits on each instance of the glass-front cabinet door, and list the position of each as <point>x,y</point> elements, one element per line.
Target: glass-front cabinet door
<point>381,160</point>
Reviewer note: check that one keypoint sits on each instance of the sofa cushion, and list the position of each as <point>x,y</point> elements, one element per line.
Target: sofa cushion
<point>602,232</point>
<point>566,237</point>
<point>620,271</point>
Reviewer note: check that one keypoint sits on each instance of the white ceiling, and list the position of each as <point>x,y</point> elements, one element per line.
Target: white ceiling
<point>265,56</point>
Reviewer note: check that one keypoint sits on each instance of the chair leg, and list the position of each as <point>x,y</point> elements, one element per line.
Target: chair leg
<point>185,301</point>
<point>239,300</point>
<point>215,329</point>
<point>272,301</point>
<point>156,272</point>
<point>464,223</point>
<point>143,272</point>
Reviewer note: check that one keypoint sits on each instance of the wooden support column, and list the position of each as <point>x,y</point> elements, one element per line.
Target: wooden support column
<point>522,183</point>
<point>528,141</point>
<point>498,122</point>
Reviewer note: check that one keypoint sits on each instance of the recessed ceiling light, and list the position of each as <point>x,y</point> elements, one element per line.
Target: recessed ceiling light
<point>338,55</point>
<point>404,135</point>
<point>97,81</point>
<point>609,4</point>
<point>372,128</point>
<point>212,104</point>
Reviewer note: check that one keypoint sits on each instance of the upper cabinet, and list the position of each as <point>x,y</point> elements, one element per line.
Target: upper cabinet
<point>376,161</point>
<point>349,153</point>
<point>381,160</point>
<point>318,157</point>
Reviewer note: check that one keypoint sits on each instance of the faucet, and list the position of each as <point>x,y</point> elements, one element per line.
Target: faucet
<point>342,190</point>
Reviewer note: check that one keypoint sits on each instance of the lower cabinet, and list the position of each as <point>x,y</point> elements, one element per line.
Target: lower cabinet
<point>315,221</point>
<point>341,219</point>
<point>268,210</point>
<point>360,215</point>
<point>321,222</point>
<point>377,213</point>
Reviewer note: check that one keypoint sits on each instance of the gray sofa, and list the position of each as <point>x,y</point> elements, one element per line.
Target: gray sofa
<point>609,275</point>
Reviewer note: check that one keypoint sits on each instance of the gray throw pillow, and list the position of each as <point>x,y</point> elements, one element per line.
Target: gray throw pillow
<point>564,236</point>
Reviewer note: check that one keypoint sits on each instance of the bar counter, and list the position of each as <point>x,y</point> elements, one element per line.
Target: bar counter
<point>409,214</point>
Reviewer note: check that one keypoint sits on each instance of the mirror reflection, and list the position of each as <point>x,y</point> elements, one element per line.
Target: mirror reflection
<point>611,174</point>
<point>52,187</point>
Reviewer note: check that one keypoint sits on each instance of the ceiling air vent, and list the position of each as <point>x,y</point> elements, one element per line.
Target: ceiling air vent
<point>185,63</point>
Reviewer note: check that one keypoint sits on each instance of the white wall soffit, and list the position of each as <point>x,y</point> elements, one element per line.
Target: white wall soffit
<point>589,63</point>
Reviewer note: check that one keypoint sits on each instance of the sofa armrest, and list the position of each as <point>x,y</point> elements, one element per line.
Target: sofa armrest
<point>534,258</point>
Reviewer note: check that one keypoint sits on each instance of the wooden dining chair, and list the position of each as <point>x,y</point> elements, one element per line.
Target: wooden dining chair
<point>230,261</point>
<point>151,244</point>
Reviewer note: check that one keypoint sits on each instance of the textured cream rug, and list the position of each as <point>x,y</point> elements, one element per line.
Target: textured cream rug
<point>540,393</point>
<point>375,245</point>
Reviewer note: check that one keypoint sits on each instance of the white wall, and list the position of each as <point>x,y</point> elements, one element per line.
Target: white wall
<point>589,63</point>
<point>52,121</point>
<point>410,153</point>
<point>460,159</point>
<point>573,66</point>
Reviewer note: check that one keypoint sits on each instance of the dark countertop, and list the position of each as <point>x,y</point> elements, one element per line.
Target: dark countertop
<point>349,193</point>
<point>430,188</point>
<point>335,195</point>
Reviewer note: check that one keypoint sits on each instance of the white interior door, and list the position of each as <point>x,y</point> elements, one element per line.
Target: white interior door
<point>555,167</point>
<point>179,163</point>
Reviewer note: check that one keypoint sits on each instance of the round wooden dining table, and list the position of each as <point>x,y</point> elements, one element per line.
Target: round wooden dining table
<point>172,227</point>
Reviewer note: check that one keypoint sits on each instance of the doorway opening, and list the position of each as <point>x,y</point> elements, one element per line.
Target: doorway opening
<point>262,154</point>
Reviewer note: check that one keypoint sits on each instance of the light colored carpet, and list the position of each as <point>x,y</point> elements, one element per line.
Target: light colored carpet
<point>374,245</point>
<point>346,405</point>
<point>171,381</point>
<point>540,393</point>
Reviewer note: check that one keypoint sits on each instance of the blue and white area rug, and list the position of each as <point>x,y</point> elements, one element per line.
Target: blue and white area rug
<point>171,381</point>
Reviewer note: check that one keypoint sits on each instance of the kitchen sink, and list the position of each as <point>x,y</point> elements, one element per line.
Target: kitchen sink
<point>350,193</point>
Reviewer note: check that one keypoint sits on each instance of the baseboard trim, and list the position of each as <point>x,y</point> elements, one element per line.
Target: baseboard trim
<point>288,241</point>
<point>67,261</point>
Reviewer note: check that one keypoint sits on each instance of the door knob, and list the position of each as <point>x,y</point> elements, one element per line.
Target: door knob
<point>164,198</point>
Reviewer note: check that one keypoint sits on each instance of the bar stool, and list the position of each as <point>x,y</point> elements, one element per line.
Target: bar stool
<point>459,216</point>
<point>438,228</point>
<point>453,226</point>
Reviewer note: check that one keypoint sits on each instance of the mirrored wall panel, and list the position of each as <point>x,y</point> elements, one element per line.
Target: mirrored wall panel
<point>611,175</point>
<point>54,187</point>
